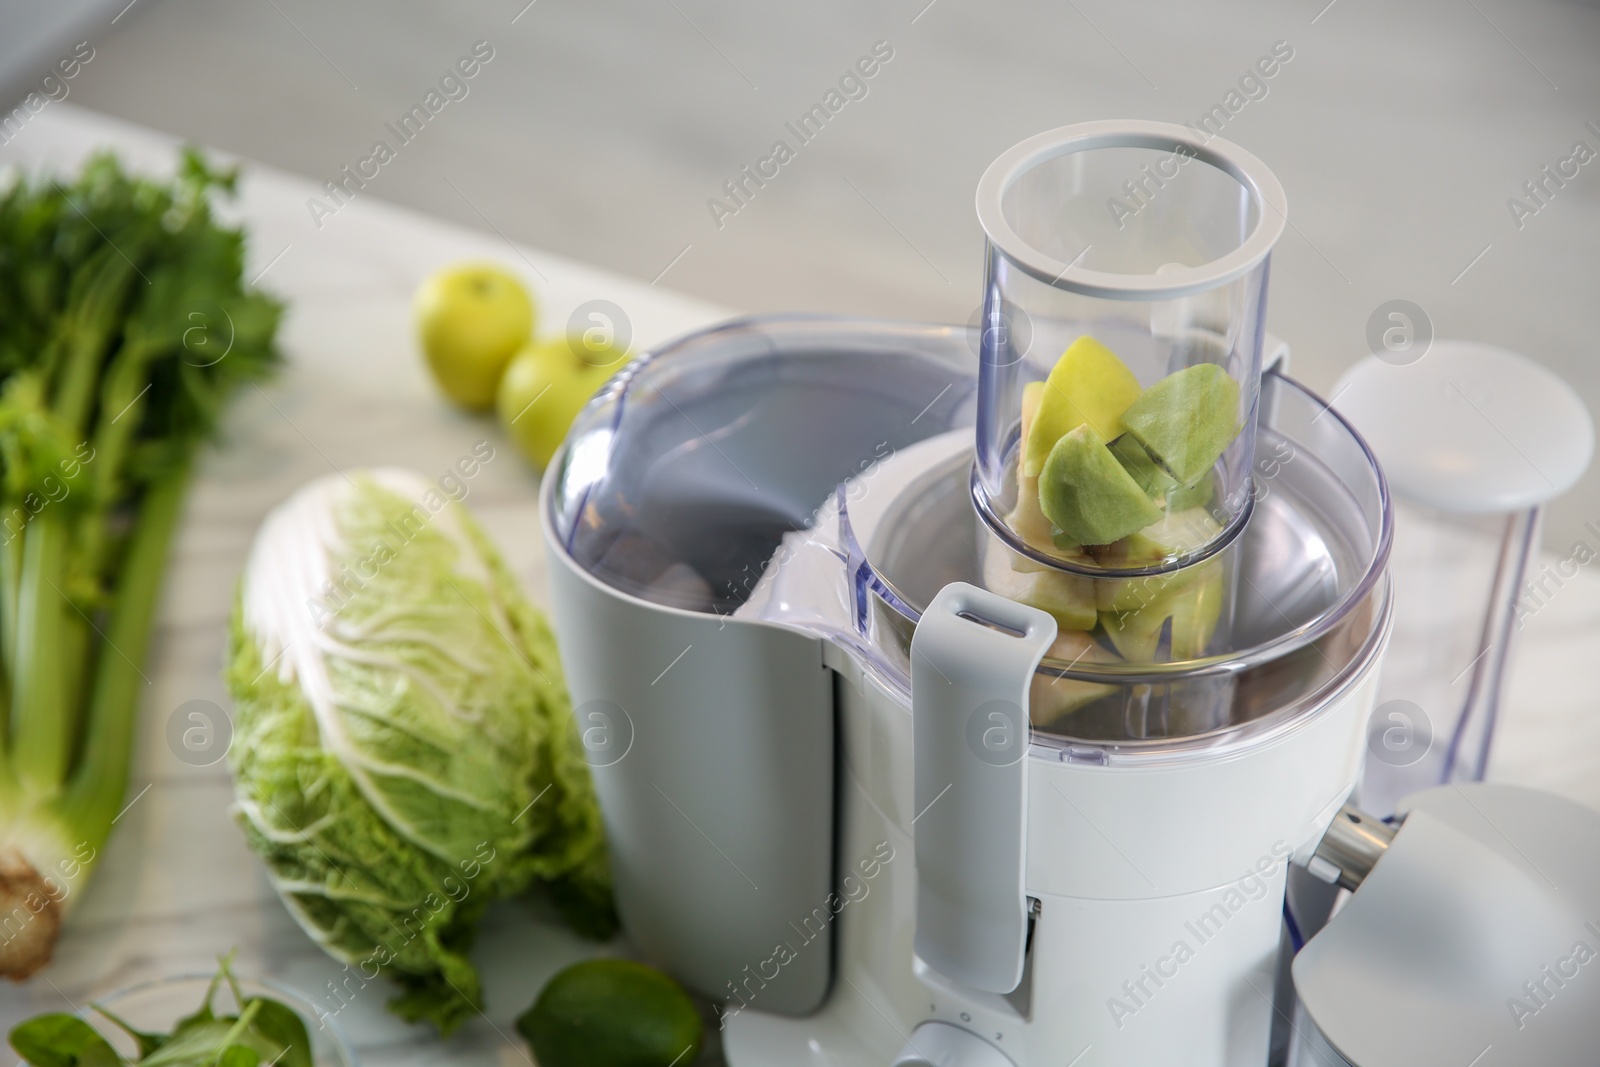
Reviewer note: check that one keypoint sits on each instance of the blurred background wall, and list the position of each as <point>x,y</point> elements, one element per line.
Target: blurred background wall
<point>601,130</point>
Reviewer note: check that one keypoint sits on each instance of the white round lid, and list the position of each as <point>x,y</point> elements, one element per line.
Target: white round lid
<point>1469,427</point>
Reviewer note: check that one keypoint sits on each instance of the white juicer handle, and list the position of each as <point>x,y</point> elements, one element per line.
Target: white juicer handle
<point>973,657</point>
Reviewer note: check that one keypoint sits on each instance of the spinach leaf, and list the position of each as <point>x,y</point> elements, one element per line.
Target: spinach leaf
<point>281,1027</point>
<point>147,1041</point>
<point>60,1040</point>
<point>239,1056</point>
<point>194,1044</point>
<point>265,1031</point>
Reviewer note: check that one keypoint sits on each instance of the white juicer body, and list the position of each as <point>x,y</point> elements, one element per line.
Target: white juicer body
<point>1160,883</point>
<point>753,745</point>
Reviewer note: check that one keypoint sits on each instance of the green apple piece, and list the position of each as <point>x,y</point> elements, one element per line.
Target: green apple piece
<point>1068,597</point>
<point>1198,495</point>
<point>1090,386</point>
<point>1151,590</point>
<point>1156,481</point>
<point>1134,610</point>
<point>1026,520</point>
<point>1085,492</point>
<point>1051,696</point>
<point>1029,523</point>
<point>1064,545</point>
<point>1126,595</point>
<point>1141,467</point>
<point>1195,614</point>
<point>1177,534</point>
<point>545,387</point>
<point>1136,634</point>
<point>1031,394</point>
<point>1187,420</point>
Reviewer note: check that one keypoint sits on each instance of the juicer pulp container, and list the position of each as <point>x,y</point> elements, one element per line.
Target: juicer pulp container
<point>752,531</point>
<point>712,738</point>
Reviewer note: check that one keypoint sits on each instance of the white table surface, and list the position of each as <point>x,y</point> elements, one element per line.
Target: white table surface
<point>177,886</point>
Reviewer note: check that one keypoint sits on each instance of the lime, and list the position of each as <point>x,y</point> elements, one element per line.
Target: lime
<point>612,1013</point>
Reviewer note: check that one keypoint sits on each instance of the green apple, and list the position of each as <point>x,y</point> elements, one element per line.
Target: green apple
<point>1068,597</point>
<point>1088,385</point>
<point>1085,492</point>
<point>1026,520</point>
<point>1178,533</point>
<point>1126,595</point>
<point>1187,420</point>
<point>1136,460</point>
<point>1136,635</point>
<point>1198,495</point>
<point>1134,611</point>
<point>545,387</point>
<point>1140,467</point>
<point>471,319</point>
<point>1195,614</point>
<point>1052,696</point>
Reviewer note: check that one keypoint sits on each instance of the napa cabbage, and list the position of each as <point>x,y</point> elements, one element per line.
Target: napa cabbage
<point>404,751</point>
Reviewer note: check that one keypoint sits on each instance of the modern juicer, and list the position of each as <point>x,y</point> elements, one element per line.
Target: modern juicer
<point>922,738</point>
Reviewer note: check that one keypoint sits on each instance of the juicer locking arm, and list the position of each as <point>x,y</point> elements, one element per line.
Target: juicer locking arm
<point>1353,845</point>
<point>973,657</point>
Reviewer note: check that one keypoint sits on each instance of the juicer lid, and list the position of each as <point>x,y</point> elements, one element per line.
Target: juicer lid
<point>680,478</point>
<point>1469,428</point>
<point>697,478</point>
<point>1184,143</point>
<point>1475,940</point>
<point>1312,610</point>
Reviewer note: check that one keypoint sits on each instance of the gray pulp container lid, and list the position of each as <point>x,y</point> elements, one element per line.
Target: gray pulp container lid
<point>1474,941</point>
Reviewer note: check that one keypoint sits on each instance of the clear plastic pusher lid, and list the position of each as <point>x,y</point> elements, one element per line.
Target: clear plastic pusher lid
<point>1120,367</point>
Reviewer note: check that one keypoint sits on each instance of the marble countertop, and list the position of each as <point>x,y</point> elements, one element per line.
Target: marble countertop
<point>177,886</point>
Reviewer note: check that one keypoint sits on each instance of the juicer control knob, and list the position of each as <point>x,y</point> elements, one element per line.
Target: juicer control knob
<point>936,1044</point>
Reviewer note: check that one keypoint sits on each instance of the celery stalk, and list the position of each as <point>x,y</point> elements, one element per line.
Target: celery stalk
<point>101,413</point>
<point>96,788</point>
<point>42,729</point>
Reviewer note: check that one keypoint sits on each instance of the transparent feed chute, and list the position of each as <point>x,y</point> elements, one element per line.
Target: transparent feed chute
<point>1310,608</point>
<point>1120,378</point>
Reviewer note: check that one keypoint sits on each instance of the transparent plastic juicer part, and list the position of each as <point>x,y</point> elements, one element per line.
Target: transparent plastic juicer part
<point>1119,379</point>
